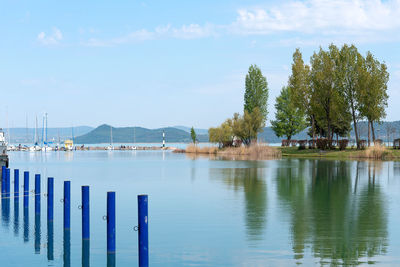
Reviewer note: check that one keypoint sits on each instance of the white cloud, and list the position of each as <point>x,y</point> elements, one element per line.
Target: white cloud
<point>54,38</point>
<point>314,22</point>
<point>191,31</point>
<point>320,16</point>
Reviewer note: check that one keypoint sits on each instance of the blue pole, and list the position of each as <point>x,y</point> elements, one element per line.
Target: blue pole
<point>110,222</point>
<point>143,224</point>
<point>3,179</point>
<point>8,182</point>
<point>50,199</point>
<point>67,204</point>
<point>85,213</point>
<point>37,193</point>
<point>26,189</point>
<point>16,183</point>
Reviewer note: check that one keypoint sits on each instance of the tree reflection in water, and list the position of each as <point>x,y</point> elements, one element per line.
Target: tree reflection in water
<point>251,181</point>
<point>342,219</point>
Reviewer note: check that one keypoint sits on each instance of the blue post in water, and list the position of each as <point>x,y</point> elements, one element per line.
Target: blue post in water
<point>143,224</point>
<point>85,213</point>
<point>26,189</point>
<point>16,183</point>
<point>8,182</point>
<point>67,204</point>
<point>110,222</point>
<point>50,199</point>
<point>37,193</point>
<point>3,179</point>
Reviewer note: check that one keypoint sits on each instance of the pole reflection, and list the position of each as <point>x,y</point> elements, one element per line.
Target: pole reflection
<point>16,216</point>
<point>37,233</point>
<point>50,240</point>
<point>67,248</point>
<point>85,253</point>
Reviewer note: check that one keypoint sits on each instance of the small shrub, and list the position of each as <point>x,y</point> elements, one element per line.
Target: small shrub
<point>312,144</point>
<point>343,144</point>
<point>285,143</point>
<point>302,144</point>
<point>362,144</point>
<point>322,143</point>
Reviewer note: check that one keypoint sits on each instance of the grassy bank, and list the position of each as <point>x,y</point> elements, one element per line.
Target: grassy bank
<point>254,152</point>
<point>376,153</point>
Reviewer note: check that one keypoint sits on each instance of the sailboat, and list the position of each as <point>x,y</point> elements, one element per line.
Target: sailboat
<point>110,147</point>
<point>35,147</point>
<point>45,147</point>
<point>134,138</point>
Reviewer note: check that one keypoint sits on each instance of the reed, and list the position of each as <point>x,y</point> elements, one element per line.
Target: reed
<point>257,151</point>
<point>377,152</point>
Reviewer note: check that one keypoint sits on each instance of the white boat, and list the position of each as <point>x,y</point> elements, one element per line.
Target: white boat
<point>35,148</point>
<point>47,148</point>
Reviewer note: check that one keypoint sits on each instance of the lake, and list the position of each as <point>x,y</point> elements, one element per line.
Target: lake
<point>209,212</point>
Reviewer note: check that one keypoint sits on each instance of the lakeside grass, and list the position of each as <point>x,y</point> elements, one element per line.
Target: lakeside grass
<point>253,152</point>
<point>374,152</point>
<point>262,152</point>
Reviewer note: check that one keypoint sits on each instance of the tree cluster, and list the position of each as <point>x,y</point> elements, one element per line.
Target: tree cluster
<point>339,88</point>
<point>243,129</point>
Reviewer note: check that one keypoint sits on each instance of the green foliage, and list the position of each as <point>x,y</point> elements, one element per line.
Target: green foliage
<point>256,93</point>
<point>222,135</point>
<point>289,118</point>
<point>193,135</point>
<point>373,96</point>
<point>247,127</point>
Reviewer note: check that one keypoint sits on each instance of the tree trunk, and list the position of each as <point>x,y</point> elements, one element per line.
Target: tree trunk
<point>313,130</point>
<point>369,133</point>
<point>373,131</point>
<point>355,128</point>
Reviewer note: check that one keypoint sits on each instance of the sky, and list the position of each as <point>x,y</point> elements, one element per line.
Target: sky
<point>164,63</point>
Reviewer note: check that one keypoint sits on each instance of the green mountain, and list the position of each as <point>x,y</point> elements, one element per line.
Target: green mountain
<point>102,134</point>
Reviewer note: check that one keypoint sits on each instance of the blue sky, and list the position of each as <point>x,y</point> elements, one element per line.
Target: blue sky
<point>164,63</point>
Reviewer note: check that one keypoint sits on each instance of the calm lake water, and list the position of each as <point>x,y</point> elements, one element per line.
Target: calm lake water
<point>210,212</point>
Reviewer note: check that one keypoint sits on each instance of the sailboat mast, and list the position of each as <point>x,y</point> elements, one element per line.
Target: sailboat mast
<point>36,133</point>
<point>27,133</point>
<point>111,138</point>
<point>46,128</point>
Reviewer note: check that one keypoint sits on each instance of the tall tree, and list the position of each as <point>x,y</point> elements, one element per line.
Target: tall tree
<point>373,93</point>
<point>299,86</point>
<point>289,118</point>
<point>348,75</point>
<point>193,135</point>
<point>256,92</point>
<point>324,86</point>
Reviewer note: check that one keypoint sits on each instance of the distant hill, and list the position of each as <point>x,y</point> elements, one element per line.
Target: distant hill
<point>102,134</point>
<point>187,129</point>
<point>27,135</point>
<point>181,134</point>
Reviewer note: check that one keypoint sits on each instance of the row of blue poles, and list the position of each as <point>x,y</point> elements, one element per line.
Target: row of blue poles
<point>85,206</point>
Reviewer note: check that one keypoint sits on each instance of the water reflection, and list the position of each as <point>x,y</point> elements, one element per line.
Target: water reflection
<point>251,182</point>
<point>67,248</point>
<point>110,259</point>
<point>5,211</point>
<point>343,225</point>
<point>37,233</point>
<point>85,253</point>
<point>16,216</point>
<point>26,224</point>
<point>50,240</point>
